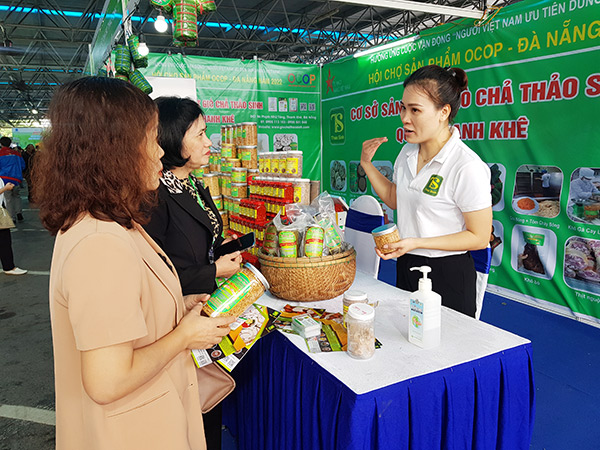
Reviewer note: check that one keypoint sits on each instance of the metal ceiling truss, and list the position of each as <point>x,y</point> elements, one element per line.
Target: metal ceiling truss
<point>50,38</point>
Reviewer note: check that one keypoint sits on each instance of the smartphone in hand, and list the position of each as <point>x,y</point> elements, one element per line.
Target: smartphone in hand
<point>239,244</point>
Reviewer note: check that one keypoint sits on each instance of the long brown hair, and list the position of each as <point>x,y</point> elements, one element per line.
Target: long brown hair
<point>94,158</point>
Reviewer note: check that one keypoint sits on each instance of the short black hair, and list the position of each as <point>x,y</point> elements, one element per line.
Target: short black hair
<point>175,116</point>
<point>5,141</point>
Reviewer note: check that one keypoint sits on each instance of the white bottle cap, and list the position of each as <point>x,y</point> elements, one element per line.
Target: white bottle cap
<point>361,311</point>
<point>355,296</point>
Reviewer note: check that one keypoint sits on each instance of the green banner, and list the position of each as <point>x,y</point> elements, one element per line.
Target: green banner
<point>530,113</point>
<point>103,41</point>
<point>25,136</point>
<point>282,98</point>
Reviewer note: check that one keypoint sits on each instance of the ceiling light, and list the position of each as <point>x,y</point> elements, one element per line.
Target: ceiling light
<point>143,49</point>
<point>34,111</point>
<point>386,46</point>
<point>160,24</point>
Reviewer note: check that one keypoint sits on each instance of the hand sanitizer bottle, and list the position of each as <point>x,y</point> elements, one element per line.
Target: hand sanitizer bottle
<point>424,318</point>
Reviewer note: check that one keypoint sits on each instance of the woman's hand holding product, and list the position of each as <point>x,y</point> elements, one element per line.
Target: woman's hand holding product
<point>400,248</point>
<point>228,265</point>
<point>194,299</point>
<point>201,331</point>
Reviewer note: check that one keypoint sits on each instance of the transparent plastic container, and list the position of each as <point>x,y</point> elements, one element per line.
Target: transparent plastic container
<point>360,322</point>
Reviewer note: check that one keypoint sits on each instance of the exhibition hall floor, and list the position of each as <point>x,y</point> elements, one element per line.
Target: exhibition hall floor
<point>566,357</point>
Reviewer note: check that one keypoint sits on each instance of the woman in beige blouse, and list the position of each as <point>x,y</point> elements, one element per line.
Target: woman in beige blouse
<point>121,328</point>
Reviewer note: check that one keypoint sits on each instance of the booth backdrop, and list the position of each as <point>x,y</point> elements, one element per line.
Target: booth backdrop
<point>530,113</point>
<point>282,98</point>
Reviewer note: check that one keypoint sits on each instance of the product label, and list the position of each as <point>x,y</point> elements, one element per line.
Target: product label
<point>287,244</point>
<point>297,194</point>
<point>238,176</point>
<point>266,165</point>
<point>292,165</point>
<point>534,238</point>
<point>230,293</point>
<point>226,151</point>
<point>415,328</point>
<point>314,242</point>
<point>246,155</point>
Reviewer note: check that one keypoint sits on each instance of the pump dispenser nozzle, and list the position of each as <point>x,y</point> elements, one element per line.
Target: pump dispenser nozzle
<point>424,283</point>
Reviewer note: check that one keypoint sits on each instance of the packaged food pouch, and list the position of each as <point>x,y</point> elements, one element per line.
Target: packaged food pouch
<point>332,239</point>
<point>313,241</point>
<point>271,242</point>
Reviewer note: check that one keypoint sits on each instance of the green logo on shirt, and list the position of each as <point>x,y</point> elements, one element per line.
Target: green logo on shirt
<point>433,185</point>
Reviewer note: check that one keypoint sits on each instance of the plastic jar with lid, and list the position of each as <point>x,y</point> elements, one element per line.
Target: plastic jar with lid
<point>385,234</point>
<point>239,175</point>
<point>235,162</point>
<point>227,150</point>
<point>301,190</point>
<point>226,165</point>
<point>282,162</point>
<point>226,203</point>
<point>223,134</point>
<point>226,188</point>
<point>350,298</point>
<point>275,157</point>
<point>218,201</point>
<point>360,322</point>
<point>211,182</point>
<point>294,163</point>
<point>249,133</point>
<point>252,173</point>
<point>235,206</point>
<point>225,218</point>
<point>239,190</point>
<point>249,156</point>
<point>264,162</point>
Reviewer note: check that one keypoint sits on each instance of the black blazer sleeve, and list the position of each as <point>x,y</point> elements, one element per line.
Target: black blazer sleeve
<point>182,229</point>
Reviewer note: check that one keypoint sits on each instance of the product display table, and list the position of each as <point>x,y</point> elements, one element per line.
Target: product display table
<point>475,390</point>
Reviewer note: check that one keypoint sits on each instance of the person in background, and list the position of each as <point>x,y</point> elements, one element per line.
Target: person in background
<point>441,190</point>
<point>28,156</point>
<point>122,330</point>
<point>186,222</point>
<point>582,188</point>
<point>11,171</point>
<point>6,252</point>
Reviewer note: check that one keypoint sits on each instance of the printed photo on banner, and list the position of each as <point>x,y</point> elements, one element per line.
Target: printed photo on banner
<point>533,251</point>
<point>537,190</point>
<point>582,264</point>
<point>584,196</point>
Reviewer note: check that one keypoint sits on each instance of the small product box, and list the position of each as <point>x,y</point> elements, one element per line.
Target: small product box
<point>306,326</point>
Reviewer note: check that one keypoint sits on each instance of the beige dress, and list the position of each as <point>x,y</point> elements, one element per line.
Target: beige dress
<point>108,286</point>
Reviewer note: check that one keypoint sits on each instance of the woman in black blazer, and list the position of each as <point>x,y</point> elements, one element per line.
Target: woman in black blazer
<point>186,223</point>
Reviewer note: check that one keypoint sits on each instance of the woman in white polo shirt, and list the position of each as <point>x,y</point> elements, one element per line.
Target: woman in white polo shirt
<point>441,189</point>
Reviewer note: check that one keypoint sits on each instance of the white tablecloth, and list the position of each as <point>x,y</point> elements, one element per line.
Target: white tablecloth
<point>463,339</point>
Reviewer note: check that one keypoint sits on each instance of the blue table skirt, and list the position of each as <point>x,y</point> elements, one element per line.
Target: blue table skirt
<point>284,400</point>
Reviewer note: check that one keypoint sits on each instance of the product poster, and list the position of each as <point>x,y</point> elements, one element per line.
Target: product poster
<point>530,113</point>
<point>282,98</point>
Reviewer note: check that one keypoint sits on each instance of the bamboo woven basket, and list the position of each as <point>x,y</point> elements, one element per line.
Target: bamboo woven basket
<point>309,279</point>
